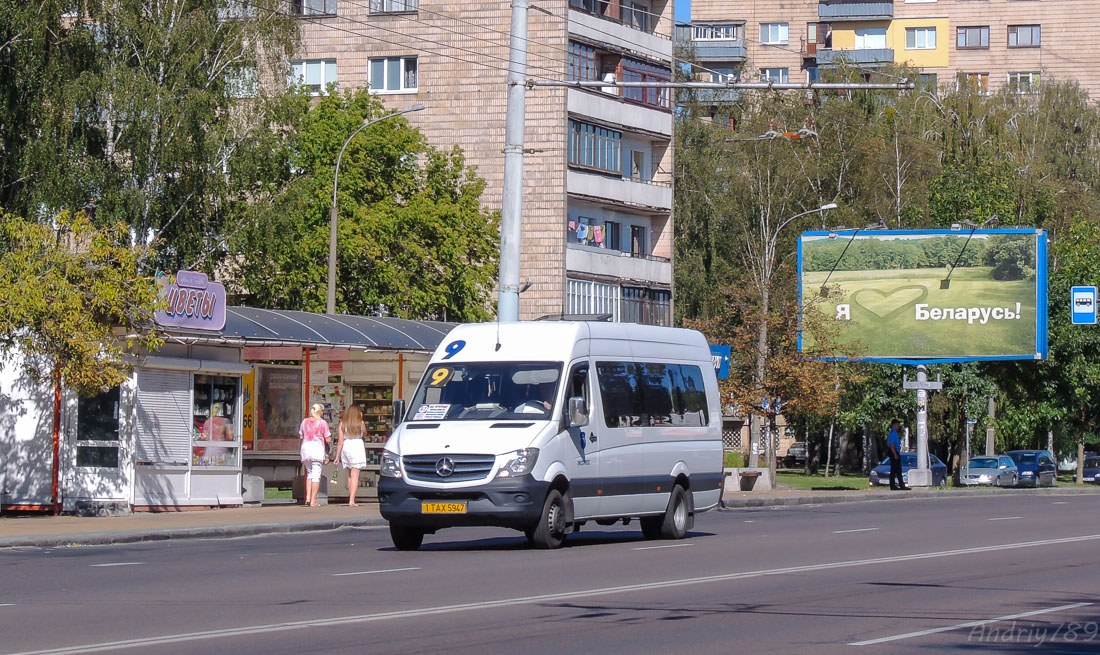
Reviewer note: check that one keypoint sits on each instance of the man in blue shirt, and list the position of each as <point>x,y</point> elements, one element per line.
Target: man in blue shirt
<point>893,449</point>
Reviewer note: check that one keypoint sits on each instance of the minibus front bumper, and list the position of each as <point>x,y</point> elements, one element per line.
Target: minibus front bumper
<point>503,502</point>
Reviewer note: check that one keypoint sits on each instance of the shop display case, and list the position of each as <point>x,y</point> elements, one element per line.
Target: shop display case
<point>215,437</point>
<point>376,403</point>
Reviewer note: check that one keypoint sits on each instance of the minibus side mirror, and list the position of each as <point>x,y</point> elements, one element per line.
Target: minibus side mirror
<point>578,412</point>
<point>398,411</point>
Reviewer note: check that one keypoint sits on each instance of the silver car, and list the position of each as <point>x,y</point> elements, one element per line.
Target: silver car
<point>996,471</point>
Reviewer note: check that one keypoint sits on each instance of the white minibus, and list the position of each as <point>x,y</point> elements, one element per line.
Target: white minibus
<point>544,426</point>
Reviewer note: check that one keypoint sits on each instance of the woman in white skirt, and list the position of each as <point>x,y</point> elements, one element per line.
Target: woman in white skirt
<point>350,449</point>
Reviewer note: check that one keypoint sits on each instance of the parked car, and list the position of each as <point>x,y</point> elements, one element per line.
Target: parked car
<point>1036,467</point>
<point>880,475</point>
<point>1092,469</point>
<point>796,455</point>
<point>1068,464</point>
<point>997,471</point>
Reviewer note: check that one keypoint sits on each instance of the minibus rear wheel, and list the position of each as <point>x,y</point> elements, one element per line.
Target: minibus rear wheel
<point>674,525</point>
<point>406,538</point>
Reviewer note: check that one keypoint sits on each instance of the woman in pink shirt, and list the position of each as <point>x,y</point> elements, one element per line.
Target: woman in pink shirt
<point>315,437</point>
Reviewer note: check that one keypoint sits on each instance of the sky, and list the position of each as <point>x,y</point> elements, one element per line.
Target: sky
<point>683,11</point>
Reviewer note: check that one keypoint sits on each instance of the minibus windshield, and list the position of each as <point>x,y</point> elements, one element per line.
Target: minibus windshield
<point>479,391</point>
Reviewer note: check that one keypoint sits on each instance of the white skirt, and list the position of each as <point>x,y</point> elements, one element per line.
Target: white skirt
<point>313,451</point>
<point>354,454</point>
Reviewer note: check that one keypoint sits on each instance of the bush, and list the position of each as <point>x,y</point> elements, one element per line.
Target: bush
<point>734,459</point>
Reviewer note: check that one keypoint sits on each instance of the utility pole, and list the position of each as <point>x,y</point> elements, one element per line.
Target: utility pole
<point>511,216</point>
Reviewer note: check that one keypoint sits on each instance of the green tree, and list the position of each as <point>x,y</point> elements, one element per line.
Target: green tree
<point>67,287</point>
<point>151,110</point>
<point>413,240</point>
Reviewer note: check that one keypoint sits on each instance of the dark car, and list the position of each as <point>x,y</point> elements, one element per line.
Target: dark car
<point>796,455</point>
<point>1092,469</point>
<point>880,475</point>
<point>1036,466</point>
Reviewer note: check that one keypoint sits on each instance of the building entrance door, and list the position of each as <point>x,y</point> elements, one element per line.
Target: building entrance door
<point>101,461</point>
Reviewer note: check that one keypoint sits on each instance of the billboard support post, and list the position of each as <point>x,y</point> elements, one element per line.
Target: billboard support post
<point>921,476</point>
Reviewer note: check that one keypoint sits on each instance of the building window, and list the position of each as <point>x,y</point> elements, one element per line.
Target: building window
<point>975,82</point>
<point>928,82</point>
<point>642,71</point>
<point>230,9</point>
<point>777,75</point>
<point>393,75</point>
<point>393,6</point>
<point>1024,82</point>
<point>870,38</point>
<point>582,61</point>
<point>724,74</point>
<point>242,82</point>
<point>812,74</point>
<point>97,422</point>
<point>1023,36</point>
<point>646,306</point>
<point>720,32</point>
<point>973,37</point>
<point>638,245</point>
<point>636,15</point>
<point>613,231</point>
<point>920,38</point>
<point>583,232</point>
<point>313,7</point>
<point>773,33</point>
<point>315,75</point>
<point>592,146</point>
<point>589,297</point>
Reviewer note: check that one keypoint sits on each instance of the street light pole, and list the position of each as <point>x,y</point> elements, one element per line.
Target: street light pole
<point>330,305</point>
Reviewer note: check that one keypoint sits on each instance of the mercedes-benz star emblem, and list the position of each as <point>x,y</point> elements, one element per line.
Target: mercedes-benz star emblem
<point>445,467</point>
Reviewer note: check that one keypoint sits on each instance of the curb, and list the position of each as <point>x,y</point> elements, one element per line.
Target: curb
<point>870,497</point>
<point>206,532</point>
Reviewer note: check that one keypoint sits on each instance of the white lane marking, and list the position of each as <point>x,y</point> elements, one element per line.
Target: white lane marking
<point>7,604</point>
<point>410,568</point>
<point>1006,518</point>
<point>1060,502</point>
<point>750,521</point>
<point>532,600</point>
<point>856,530</point>
<point>118,564</point>
<point>969,624</point>
<point>656,547</point>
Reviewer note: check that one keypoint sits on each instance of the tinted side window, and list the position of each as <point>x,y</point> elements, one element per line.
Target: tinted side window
<point>694,395</point>
<point>657,393</point>
<point>620,394</point>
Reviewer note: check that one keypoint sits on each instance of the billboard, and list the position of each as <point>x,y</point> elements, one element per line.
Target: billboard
<point>927,296</point>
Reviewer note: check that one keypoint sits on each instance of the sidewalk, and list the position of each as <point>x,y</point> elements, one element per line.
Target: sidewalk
<point>55,531</point>
<point>60,531</point>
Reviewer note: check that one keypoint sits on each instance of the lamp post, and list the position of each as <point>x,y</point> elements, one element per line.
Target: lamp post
<point>330,306</point>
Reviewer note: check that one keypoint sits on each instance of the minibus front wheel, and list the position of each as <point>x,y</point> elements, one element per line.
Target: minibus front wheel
<point>550,531</point>
<point>405,537</point>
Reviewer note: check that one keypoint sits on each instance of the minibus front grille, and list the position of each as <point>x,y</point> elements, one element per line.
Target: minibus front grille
<point>431,468</point>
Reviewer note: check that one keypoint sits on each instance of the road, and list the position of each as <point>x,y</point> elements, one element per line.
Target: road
<point>1004,574</point>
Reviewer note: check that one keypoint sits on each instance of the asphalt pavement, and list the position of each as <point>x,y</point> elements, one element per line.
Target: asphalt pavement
<point>1003,574</point>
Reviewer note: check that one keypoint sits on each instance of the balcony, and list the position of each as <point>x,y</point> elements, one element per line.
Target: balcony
<point>617,264</point>
<point>865,57</point>
<point>629,193</point>
<point>842,10</point>
<point>613,110</point>
<point>711,43</point>
<point>602,30</point>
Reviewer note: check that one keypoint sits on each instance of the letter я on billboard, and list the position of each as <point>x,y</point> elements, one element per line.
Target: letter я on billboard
<point>931,295</point>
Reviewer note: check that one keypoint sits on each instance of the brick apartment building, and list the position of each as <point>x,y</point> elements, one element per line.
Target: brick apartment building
<point>988,44</point>
<point>597,211</point>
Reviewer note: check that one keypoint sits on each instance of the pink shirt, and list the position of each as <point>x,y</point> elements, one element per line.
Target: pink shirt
<point>314,429</point>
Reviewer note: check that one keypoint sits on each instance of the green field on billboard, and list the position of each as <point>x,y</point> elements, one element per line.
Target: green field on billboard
<point>887,297</point>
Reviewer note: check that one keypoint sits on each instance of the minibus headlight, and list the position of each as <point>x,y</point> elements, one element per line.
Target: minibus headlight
<point>520,463</point>
<point>391,465</point>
